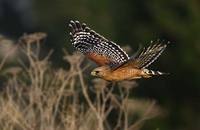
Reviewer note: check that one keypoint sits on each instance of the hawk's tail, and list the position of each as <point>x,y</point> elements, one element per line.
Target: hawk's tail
<point>149,73</point>
<point>150,54</point>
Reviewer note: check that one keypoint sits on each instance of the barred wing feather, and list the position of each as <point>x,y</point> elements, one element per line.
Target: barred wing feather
<point>95,46</point>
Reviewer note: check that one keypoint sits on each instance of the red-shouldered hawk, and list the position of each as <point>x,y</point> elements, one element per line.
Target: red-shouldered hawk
<point>115,64</point>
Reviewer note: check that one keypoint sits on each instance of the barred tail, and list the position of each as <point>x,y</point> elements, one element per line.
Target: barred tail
<point>149,73</point>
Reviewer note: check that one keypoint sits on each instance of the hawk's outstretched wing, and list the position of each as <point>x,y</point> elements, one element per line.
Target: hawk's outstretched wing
<point>146,57</point>
<point>95,46</point>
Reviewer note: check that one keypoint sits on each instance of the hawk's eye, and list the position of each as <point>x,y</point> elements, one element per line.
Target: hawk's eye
<point>97,72</point>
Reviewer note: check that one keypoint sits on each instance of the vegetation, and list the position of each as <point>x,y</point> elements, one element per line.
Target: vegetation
<point>128,23</point>
<point>35,96</point>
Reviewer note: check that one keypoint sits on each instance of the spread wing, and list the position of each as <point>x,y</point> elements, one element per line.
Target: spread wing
<point>146,57</point>
<point>94,46</point>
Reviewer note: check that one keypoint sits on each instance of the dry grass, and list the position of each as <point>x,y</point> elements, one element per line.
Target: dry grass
<point>36,96</point>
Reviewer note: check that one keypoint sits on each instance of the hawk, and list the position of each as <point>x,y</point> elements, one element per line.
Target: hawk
<point>114,64</point>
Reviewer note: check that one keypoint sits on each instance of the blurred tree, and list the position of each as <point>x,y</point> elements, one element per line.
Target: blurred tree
<point>16,17</point>
<point>129,22</point>
<point>133,22</point>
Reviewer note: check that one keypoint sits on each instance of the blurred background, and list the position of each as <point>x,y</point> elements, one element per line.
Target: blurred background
<point>128,23</point>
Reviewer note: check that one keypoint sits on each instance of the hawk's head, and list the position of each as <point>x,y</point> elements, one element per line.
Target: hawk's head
<point>101,71</point>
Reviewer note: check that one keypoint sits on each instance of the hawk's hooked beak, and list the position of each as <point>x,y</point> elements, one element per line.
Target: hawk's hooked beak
<point>93,73</point>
